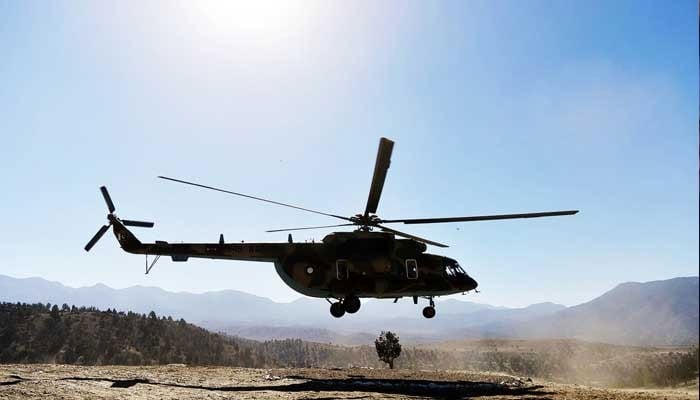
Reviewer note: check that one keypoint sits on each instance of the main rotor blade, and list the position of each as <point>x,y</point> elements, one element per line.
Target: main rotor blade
<point>381,166</point>
<point>97,237</point>
<point>406,235</point>
<point>310,227</point>
<point>142,224</point>
<point>107,198</point>
<point>253,197</point>
<point>480,217</point>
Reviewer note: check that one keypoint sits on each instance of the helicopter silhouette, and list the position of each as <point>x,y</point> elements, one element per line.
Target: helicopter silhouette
<point>373,261</point>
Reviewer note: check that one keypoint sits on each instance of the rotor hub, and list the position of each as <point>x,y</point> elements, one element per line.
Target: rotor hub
<point>366,222</point>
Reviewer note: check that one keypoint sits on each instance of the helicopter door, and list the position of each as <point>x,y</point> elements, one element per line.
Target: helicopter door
<point>411,269</point>
<point>342,269</point>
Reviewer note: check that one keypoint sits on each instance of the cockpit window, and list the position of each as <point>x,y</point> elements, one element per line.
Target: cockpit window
<point>453,269</point>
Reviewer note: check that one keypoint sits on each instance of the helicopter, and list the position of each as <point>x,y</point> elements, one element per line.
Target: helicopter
<point>373,261</point>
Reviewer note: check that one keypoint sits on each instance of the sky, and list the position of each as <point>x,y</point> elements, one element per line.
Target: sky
<point>494,106</point>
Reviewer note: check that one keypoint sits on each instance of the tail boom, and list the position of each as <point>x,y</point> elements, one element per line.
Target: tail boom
<point>263,252</point>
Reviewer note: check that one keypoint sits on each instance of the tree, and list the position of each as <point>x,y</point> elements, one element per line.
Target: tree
<point>388,347</point>
<point>54,312</point>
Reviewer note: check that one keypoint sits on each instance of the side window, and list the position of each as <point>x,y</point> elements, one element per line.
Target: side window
<point>342,269</point>
<point>411,269</point>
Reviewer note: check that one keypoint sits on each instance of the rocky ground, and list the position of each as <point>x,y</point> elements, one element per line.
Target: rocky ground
<point>33,381</point>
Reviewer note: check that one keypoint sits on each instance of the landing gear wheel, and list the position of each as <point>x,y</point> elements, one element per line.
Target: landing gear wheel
<point>337,309</point>
<point>352,304</point>
<point>429,312</point>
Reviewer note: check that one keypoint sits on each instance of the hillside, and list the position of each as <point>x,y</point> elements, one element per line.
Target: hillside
<point>45,333</point>
<point>41,333</point>
<point>651,313</point>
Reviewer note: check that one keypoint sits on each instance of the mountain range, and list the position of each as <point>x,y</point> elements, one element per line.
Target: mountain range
<point>651,313</point>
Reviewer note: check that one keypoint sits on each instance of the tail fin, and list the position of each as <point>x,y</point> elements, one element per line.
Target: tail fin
<point>124,236</point>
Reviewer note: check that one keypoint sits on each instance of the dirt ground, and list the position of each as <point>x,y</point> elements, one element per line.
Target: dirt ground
<point>32,381</point>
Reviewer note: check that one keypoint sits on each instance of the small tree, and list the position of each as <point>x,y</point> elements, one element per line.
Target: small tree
<point>54,312</point>
<point>388,347</point>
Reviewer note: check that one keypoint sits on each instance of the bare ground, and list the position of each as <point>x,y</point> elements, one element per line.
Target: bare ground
<point>33,381</point>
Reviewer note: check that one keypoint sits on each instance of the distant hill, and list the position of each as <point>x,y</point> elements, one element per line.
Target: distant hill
<point>414,329</point>
<point>656,313</point>
<point>242,306</point>
<point>311,334</point>
<point>652,313</point>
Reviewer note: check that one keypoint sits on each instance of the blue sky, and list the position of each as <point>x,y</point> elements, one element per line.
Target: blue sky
<point>494,107</point>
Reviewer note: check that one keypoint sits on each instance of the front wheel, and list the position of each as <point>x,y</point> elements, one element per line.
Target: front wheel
<point>429,312</point>
<point>337,309</point>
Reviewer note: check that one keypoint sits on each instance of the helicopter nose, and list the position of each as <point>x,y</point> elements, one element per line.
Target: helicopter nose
<point>464,283</point>
<point>472,283</point>
<point>468,283</point>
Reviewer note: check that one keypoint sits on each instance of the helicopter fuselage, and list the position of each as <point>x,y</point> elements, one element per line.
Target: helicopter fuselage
<point>361,264</point>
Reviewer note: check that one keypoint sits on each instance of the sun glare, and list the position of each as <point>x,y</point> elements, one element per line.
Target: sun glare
<point>258,17</point>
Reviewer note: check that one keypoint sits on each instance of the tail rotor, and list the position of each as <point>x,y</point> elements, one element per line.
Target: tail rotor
<point>97,237</point>
<point>140,224</point>
<point>112,218</point>
<point>108,199</point>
